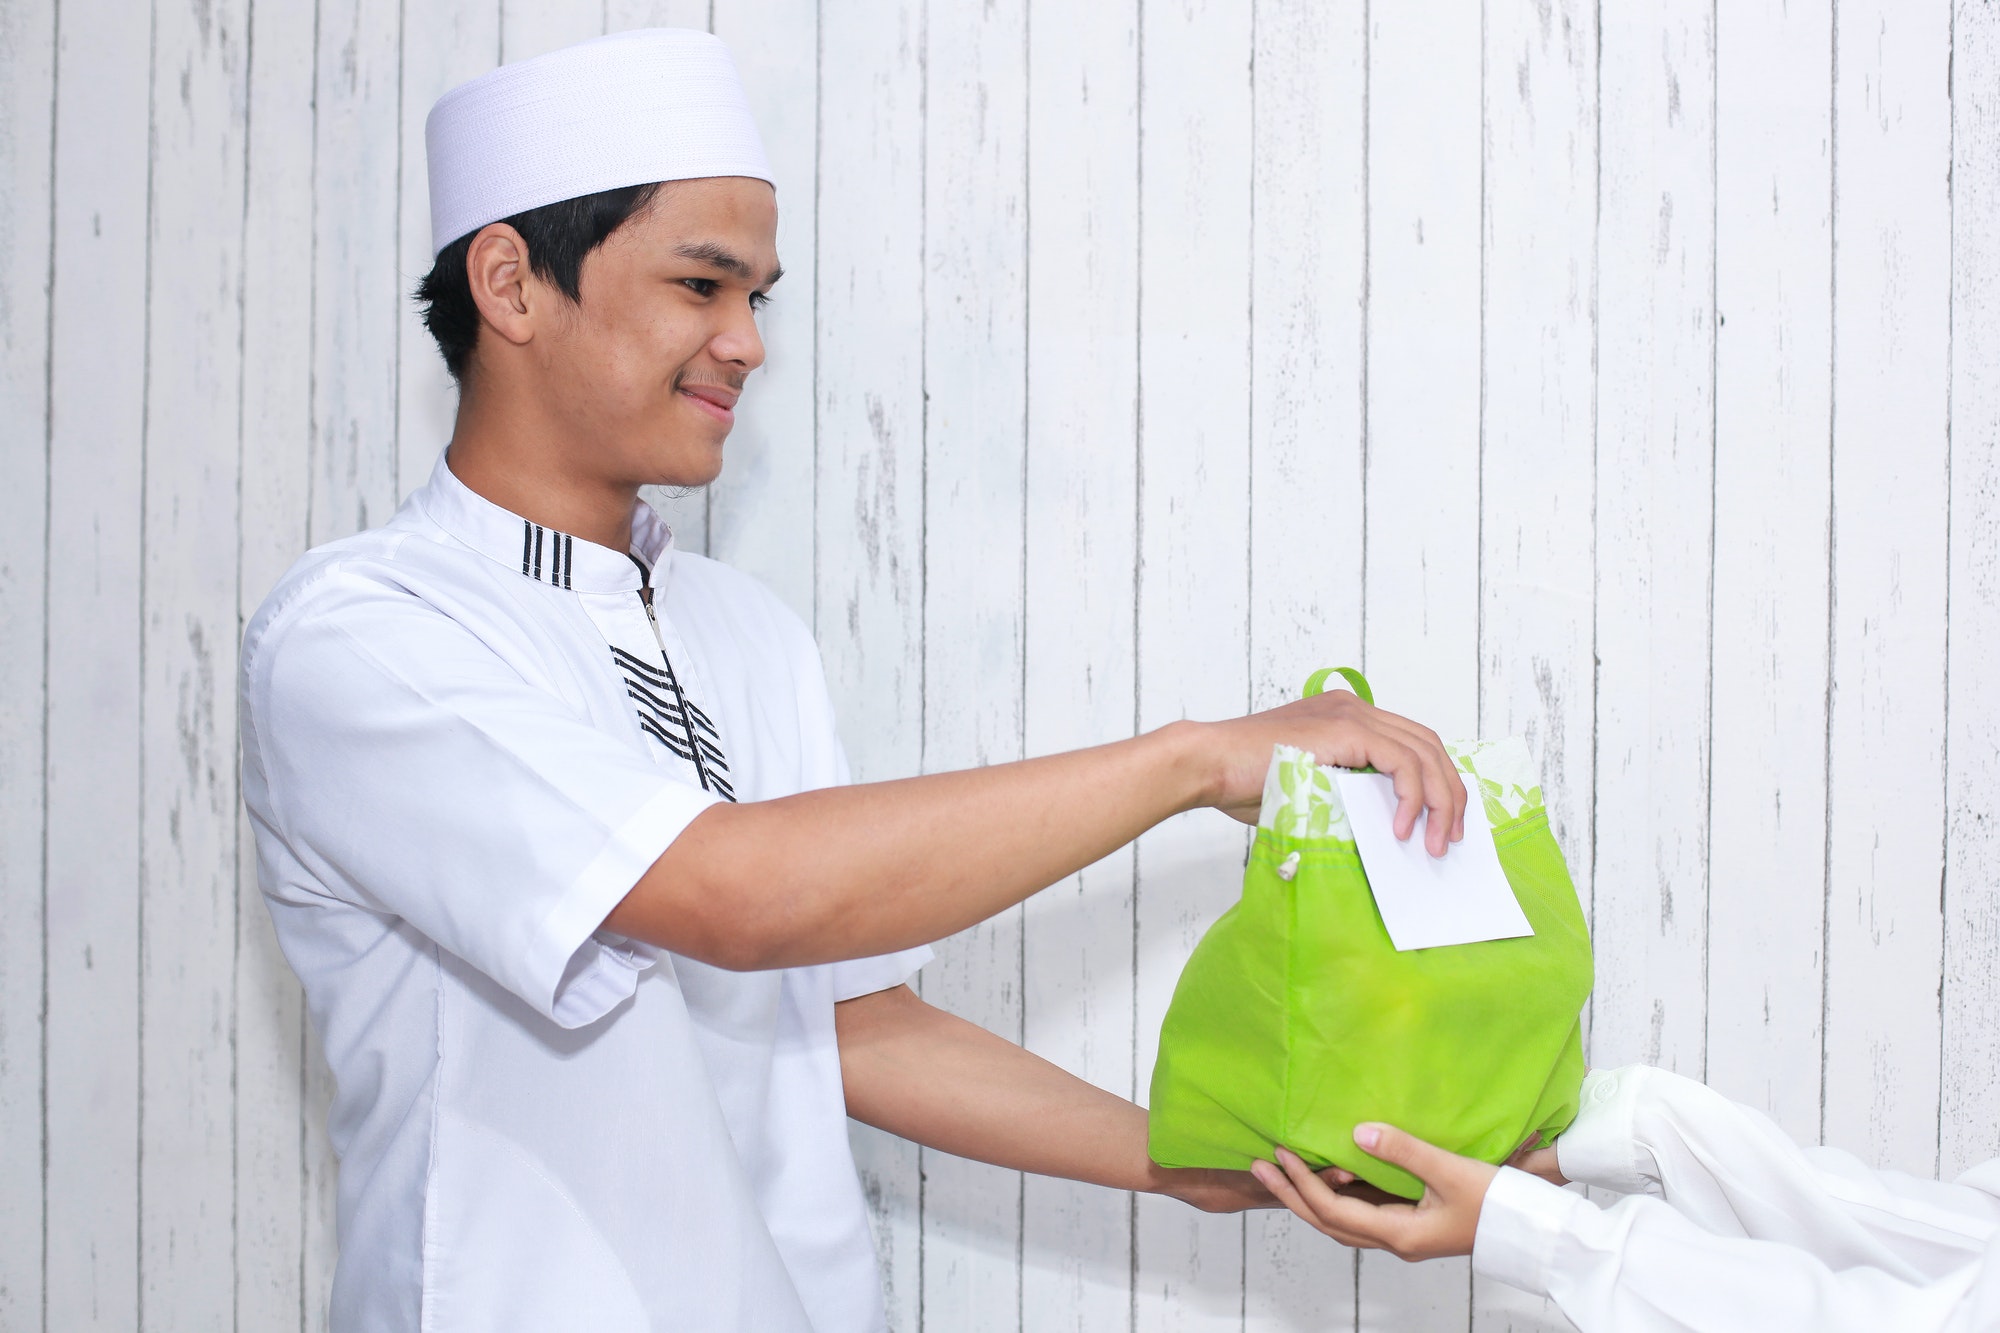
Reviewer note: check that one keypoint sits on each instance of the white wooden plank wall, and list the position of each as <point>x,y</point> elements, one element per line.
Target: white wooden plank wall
<point>1622,376</point>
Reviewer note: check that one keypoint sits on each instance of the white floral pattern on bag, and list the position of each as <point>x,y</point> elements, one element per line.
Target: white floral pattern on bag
<point>1301,801</point>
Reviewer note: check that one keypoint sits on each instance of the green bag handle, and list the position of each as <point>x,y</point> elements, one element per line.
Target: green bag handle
<point>1316,682</point>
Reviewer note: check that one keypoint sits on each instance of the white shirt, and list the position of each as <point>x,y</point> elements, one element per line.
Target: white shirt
<point>463,744</point>
<point>1731,1225</point>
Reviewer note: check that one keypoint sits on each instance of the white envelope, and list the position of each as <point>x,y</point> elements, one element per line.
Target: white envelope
<point>1459,898</point>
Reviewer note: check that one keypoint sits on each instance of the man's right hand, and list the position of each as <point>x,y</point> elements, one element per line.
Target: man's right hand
<point>1343,731</point>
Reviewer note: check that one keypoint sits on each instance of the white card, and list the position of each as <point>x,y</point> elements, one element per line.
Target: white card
<point>1458,898</point>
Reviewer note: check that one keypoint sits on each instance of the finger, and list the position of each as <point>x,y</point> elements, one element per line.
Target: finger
<point>1339,1174</point>
<point>1349,1220</point>
<point>1285,1192</point>
<point>1446,822</point>
<point>1388,753</point>
<point>1393,1146</point>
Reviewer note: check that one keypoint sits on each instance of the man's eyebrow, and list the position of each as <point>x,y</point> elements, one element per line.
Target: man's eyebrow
<point>720,256</point>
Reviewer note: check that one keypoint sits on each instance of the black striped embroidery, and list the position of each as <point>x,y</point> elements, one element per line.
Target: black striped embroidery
<point>561,549</point>
<point>675,721</point>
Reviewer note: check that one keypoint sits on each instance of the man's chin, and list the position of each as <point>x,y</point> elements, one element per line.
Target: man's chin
<point>689,465</point>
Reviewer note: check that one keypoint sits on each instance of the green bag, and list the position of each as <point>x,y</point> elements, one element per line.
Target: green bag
<point>1296,1019</point>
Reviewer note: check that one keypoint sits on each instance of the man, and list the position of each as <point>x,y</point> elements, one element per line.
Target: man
<point>551,817</point>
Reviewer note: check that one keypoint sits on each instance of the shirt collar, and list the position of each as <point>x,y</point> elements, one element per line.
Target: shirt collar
<point>539,553</point>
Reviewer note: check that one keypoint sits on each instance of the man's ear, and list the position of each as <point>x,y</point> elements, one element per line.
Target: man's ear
<point>496,268</point>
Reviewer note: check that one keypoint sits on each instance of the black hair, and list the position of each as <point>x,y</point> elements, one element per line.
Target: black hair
<point>559,236</point>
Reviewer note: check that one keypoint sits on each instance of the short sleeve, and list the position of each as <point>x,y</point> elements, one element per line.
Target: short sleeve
<point>413,770</point>
<point>865,976</point>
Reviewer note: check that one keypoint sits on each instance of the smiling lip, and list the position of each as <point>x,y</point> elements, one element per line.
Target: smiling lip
<point>713,399</point>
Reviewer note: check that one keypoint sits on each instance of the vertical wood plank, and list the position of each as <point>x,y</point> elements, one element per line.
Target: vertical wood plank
<point>1538,479</point>
<point>1421,449</point>
<point>975,316</point>
<point>274,462</point>
<point>1969,1111</point>
<point>1767,836</point>
<point>760,510</point>
<point>97,370</point>
<point>1193,634</point>
<point>1081,539</point>
<point>1655,453</point>
<point>188,705</point>
<point>1422,363</point>
<point>868,524</point>
<point>27,108</point>
<point>1309,221</point>
<point>357,295</point>
<point>441,46</point>
<point>1892,290</point>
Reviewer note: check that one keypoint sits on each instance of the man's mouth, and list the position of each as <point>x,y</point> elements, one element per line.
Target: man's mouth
<point>714,399</point>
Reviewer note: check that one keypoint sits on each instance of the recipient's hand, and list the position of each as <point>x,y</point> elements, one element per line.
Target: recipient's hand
<point>1341,730</point>
<point>1443,1222</point>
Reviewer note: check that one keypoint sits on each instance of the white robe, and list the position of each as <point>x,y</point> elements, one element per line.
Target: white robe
<point>1729,1225</point>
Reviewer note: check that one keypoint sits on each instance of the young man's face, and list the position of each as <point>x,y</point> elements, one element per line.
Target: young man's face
<point>650,362</point>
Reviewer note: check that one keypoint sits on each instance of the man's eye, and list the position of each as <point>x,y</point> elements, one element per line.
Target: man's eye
<point>700,286</point>
<point>758,300</point>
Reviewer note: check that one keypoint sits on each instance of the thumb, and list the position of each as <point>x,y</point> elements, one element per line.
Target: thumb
<point>1392,1145</point>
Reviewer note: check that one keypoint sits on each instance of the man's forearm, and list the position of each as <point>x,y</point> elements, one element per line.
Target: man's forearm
<point>925,1075</point>
<point>853,871</point>
<point>850,871</point>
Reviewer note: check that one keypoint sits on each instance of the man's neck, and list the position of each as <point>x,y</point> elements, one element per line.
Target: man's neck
<point>506,457</point>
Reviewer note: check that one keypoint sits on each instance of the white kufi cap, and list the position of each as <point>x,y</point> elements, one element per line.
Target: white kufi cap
<point>658,104</point>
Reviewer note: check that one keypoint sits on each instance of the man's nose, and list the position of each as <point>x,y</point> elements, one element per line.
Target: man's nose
<point>739,342</point>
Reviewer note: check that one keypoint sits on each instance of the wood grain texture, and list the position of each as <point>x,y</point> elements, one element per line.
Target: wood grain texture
<point>1081,533</point>
<point>1969,1103</point>
<point>188,821</point>
<point>1193,551</point>
<point>1774,352</point>
<point>27,108</point>
<point>97,370</point>
<point>1891,330</point>
<point>1655,534</point>
<point>357,295</point>
<point>975,416</point>
<point>1422,374</point>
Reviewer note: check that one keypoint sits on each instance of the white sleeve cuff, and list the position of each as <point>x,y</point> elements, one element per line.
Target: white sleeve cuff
<point>582,976</point>
<point>857,977</point>
<point>1519,1224</point>
<point>1600,1147</point>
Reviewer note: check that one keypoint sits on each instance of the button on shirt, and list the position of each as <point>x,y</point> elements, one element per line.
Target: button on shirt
<point>1731,1225</point>
<point>465,738</point>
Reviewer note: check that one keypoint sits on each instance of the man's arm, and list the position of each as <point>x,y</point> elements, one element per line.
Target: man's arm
<point>848,872</point>
<point>924,1075</point>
